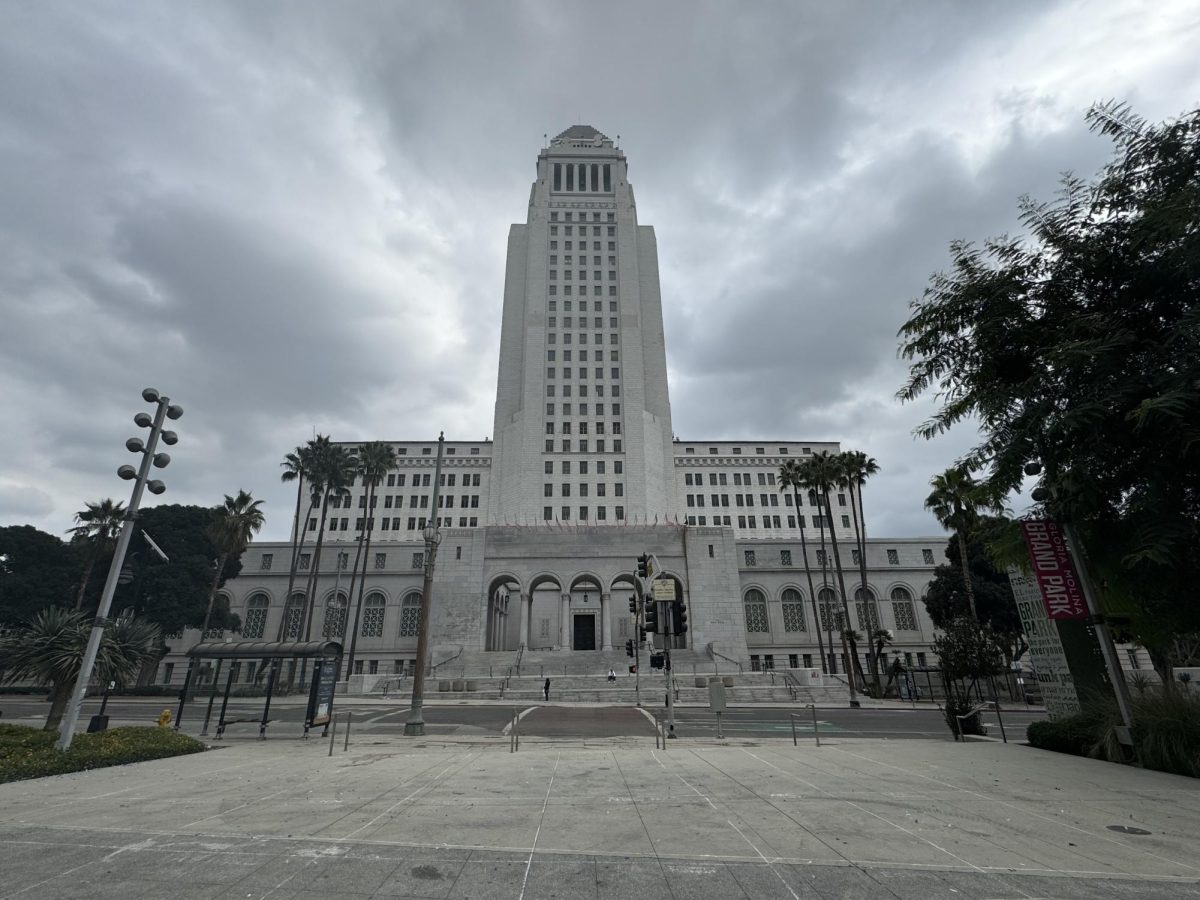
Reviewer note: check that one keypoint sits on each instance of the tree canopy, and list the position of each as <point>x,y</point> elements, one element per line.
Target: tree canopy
<point>1078,345</point>
<point>37,570</point>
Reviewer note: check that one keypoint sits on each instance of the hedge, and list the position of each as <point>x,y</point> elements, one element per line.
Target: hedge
<point>29,752</point>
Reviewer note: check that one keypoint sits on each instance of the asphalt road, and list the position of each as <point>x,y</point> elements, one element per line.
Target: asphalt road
<point>543,720</point>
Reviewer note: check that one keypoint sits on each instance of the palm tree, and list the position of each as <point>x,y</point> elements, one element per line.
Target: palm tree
<point>791,475</point>
<point>824,473</point>
<point>857,467</point>
<point>99,525</point>
<point>330,480</point>
<point>50,650</point>
<point>956,501</point>
<point>298,466</point>
<point>238,520</point>
<point>375,460</point>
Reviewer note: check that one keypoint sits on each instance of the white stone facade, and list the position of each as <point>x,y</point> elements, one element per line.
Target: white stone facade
<point>541,527</point>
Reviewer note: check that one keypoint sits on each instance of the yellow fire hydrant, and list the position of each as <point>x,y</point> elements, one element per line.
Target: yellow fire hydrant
<point>164,718</point>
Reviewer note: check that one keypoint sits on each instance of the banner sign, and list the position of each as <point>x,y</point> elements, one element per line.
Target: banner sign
<point>1047,656</point>
<point>1062,594</point>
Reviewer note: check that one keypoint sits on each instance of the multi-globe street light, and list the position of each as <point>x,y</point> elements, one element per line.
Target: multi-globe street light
<point>163,410</point>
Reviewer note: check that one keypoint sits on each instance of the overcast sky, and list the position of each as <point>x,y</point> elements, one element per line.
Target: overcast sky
<point>293,216</point>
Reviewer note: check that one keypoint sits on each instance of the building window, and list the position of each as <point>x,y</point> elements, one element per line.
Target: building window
<point>893,557</point>
<point>864,609</point>
<point>547,512</point>
<point>372,623</point>
<point>410,615</point>
<point>827,606</point>
<point>294,617</point>
<point>255,622</point>
<point>267,559</point>
<point>335,617</point>
<point>793,612</point>
<point>418,560</point>
<point>305,561</point>
<point>855,556</point>
<point>381,559</point>
<point>750,558</point>
<point>902,610</point>
<point>927,556</point>
<point>756,612</point>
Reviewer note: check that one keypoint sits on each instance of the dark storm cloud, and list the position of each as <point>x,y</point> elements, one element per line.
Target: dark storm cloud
<point>293,216</point>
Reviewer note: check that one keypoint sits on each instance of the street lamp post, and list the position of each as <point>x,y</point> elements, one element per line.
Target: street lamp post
<point>415,726</point>
<point>164,410</point>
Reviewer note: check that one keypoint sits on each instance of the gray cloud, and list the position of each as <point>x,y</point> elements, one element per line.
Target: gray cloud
<point>292,216</point>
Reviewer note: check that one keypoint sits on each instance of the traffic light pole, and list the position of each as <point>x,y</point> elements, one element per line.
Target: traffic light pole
<point>670,699</point>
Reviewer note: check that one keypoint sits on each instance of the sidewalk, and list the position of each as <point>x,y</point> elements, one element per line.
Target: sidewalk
<point>438,818</point>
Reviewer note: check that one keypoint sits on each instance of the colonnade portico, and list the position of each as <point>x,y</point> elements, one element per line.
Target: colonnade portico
<point>580,600</point>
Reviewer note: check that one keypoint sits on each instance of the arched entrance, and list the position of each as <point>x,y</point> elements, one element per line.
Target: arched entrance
<point>547,614</point>
<point>585,608</point>
<point>503,619</point>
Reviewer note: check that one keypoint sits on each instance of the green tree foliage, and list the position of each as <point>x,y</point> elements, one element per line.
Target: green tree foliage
<point>967,651</point>
<point>36,570</point>
<point>97,527</point>
<point>946,597</point>
<point>175,595</point>
<point>1079,345</point>
<point>237,520</point>
<point>50,649</point>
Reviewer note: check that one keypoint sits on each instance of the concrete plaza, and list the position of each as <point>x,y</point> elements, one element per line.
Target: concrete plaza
<point>763,819</point>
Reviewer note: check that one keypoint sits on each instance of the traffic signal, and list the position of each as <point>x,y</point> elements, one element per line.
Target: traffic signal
<point>644,566</point>
<point>679,616</point>
<point>633,606</point>
<point>629,648</point>
<point>650,617</point>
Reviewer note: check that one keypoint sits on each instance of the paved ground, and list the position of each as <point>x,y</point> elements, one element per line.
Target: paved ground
<point>389,818</point>
<point>896,722</point>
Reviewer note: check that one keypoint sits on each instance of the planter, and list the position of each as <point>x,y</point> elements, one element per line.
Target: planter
<point>443,685</point>
<point>472,685</point>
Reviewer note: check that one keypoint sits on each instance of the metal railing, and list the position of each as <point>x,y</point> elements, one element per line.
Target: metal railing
<point>961,735</point>
<point>660,732</point>
<point>333,732</point>
<point>713,653</point>
<point>514,733</point>
<point>816,726</point>
<point>435,666</point>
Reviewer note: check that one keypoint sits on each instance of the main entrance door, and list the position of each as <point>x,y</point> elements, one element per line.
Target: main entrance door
<point>585,633</point>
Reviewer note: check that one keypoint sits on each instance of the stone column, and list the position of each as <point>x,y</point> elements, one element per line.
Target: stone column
<point>526,615</point>
<point>606,621</point>
<point>565,637</point>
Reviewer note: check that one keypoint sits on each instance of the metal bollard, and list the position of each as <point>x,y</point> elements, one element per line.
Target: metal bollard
<point>795,743</point>
<point>1000,720</point>
<point>346,746</point>
<point>816,726</point>
<point>332,734</point>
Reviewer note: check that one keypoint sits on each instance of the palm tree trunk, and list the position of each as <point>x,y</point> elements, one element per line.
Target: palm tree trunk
<point>852,648</point>
<point>808,574</point>
<point>298,535</point>
<point>366,555</point>
<point>966,567</point>
<point>825,586</point>
<point>87,576</point>
<point>860,541</point>
<point>212,595</point>
<point>310,599</point>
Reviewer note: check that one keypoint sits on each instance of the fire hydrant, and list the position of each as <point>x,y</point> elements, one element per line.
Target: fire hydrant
<point>164,718</point>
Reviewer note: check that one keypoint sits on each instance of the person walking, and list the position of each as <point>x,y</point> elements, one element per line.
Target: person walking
<point>546,690</point>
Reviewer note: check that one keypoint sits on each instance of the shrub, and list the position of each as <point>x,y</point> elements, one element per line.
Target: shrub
<point>29,752</point>
<point>955,707</point>
<point>1166,732</point>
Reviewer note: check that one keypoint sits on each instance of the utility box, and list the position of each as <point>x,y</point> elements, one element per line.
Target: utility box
<point>716,695</point>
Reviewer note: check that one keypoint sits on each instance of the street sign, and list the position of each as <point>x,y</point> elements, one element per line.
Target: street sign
<point>664,589</point>
<point>321,701</point>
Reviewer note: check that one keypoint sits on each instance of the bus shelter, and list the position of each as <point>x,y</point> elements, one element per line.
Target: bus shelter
<point>325,654</point>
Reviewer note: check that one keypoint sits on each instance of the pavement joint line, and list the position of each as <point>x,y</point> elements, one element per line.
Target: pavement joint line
<point>685,858</point>
<point>349,772</point>
<point>816,837</point>
<point>865,810</point>
<point>1050,819</point>
<point>425,787</point>
<point>541,819</point>
<point>662,869</point>
<point>774,871</point>
<point>117,852</point>
<point>226,812</point>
